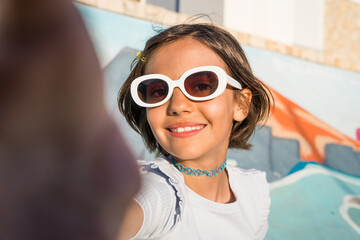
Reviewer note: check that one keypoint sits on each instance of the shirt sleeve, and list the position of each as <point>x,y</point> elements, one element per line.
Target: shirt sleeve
<point>158,202</point>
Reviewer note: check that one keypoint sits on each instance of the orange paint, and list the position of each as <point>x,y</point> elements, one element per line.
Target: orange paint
<point>288,120</point>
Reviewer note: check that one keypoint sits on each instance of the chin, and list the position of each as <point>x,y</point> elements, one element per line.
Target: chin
<point>185,154</point>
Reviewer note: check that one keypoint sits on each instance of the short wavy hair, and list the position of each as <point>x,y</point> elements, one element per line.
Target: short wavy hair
<point>230,51</point>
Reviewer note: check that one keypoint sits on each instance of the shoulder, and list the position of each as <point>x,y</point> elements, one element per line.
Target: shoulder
<point>155,166</point>
<point>159,170</point>
<point>252,189</point>
<point>158,176</point>
<point>160,198</point>
<point>250,176</point>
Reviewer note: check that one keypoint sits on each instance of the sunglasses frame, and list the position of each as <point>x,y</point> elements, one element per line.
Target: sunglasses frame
<point>223,80</point>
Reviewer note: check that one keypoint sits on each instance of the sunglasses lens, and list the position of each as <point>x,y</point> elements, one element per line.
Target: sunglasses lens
<point>153,90</point>
<point>201,84</point>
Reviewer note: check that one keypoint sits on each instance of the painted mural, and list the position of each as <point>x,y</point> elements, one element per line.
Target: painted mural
<point>316,203</point>
<point>309,148</point>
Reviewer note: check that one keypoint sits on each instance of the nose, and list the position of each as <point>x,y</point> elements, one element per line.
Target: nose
<point>179,104</point>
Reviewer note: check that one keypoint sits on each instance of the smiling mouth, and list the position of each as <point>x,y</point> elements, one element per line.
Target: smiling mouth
<point>185,129</point>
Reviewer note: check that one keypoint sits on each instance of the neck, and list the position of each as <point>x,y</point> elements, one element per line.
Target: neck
<point>216,188</point>
<point>198,172</point>
<point>211,183</point>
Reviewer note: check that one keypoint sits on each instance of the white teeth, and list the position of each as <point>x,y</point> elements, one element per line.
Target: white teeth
<point>185,129</point>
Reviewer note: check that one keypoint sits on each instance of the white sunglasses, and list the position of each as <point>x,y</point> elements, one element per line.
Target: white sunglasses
<point>198,84</point>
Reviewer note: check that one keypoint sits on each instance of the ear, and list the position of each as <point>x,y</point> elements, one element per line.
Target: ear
<point>241,106</point>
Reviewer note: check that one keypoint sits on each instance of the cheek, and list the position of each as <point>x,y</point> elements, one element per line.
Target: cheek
<point>154,116</point>
<point>222,109</point>
<point>151,117</point>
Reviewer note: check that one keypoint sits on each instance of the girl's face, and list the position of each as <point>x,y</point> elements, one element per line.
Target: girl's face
<point>186,129</point>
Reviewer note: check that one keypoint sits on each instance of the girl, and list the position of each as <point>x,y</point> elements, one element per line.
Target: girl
<point>192,95</point>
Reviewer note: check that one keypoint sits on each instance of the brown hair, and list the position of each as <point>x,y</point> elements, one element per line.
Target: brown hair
<point>227,48</point>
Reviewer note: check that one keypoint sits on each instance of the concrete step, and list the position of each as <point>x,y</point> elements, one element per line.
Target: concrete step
<point>285,154</point>
<point>258,156</point>
<point>342,158</point>
<point>275,156</point>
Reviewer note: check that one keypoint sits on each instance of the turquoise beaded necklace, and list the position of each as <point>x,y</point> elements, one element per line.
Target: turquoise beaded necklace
<point>198,172</point>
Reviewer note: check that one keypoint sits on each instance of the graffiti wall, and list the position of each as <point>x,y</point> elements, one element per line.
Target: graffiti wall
<point>309,148</point>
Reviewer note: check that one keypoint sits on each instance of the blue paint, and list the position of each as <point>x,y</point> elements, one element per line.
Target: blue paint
<point>111,32</point>
<point>308,208</point>
<point>354,214</point>
<point>300,166</point>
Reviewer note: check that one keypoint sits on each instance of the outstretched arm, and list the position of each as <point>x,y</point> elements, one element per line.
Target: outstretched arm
<point>65,171</point>
<point>133,220</point>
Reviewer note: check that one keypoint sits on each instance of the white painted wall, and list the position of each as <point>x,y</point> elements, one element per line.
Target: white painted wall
<point>238,15</point>
<point>309,23</point>
<point>279,24</point>
<point>270,19</point>
<point>213,8</point>
<point>292,22</point>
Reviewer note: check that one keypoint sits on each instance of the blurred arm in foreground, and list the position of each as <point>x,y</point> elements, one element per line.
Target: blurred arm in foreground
<point>65,170</point>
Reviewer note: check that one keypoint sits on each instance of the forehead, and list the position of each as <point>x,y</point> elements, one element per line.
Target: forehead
<point>175,58</point>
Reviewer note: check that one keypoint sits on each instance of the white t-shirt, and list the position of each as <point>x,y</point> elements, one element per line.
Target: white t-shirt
<point>174,211</point>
